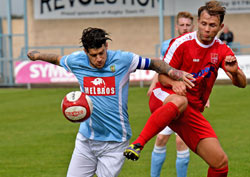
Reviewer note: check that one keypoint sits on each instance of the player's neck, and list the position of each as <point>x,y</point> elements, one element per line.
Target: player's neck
<point>205,42</point>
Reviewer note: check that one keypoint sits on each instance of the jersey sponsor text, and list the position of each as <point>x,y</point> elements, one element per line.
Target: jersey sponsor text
<point>99,86</point>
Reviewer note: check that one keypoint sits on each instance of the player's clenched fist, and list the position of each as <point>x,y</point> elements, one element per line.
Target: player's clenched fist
<point>33,55</point>
<point>231,64</point>
<point>48,57</point>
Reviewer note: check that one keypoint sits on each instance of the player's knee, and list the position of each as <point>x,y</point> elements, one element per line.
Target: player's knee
<point>221,162</point>
<point>181,102</point>
<point>180,145</point>
<point>161,140</point>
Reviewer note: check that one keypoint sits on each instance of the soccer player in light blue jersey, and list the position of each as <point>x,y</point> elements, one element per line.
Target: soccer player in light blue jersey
<point>184,24</point>
<point>104,75</point>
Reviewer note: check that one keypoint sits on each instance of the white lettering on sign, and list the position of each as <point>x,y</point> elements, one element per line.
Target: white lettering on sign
<point>47,70</point>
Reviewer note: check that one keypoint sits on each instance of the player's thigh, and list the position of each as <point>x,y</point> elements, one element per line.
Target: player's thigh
<point>83,162</point>
<point>211,151</point>
<point>111,160</point>
<point>192,127</point>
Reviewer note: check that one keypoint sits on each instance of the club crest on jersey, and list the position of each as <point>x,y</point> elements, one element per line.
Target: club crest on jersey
<point>112,68</point>
<point>99,86</point>
<point>214,58</point>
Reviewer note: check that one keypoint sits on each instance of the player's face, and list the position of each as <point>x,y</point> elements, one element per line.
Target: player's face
<point>208,27</point>
<point>184,25</point>
<point>97,57</point>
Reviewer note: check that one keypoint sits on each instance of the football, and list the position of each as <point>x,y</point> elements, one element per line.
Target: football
<point>77,106</point>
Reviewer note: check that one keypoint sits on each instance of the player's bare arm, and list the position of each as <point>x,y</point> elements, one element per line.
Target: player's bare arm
<point>163,68</point>
<point>235,74</point>
<point>51,58</point>
<point>178,87</point>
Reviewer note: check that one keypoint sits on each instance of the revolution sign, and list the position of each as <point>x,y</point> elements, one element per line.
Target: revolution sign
<point>69,9</point>
<point>59,9</point>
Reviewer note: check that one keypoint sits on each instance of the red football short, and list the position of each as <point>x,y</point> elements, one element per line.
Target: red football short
<point>191,126</point>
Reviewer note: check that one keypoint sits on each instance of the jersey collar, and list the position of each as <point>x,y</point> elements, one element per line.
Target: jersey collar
<point>203,45</point>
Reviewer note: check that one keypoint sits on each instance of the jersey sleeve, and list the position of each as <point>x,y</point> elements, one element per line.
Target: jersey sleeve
<point>67,61</point>
<point>135,61</point>
<point>143,63</point>
<point>63,63</point>
<point>127,61</point>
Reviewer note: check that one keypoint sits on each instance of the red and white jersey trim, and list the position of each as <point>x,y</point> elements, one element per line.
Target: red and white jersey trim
<point>184,38</point>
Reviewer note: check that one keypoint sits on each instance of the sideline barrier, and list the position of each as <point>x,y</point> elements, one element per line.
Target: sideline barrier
<point>42,72</point>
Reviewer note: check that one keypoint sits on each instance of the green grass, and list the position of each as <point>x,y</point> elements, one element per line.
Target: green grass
<point>37,141</point>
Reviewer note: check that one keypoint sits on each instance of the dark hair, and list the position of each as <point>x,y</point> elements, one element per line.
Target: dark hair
<point>94,38</point>
<point>213,8</point>
<point>184,15</point>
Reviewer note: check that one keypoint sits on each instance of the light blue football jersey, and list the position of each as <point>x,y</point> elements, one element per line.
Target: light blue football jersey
<point>108,90</point>
<point>164,47</point>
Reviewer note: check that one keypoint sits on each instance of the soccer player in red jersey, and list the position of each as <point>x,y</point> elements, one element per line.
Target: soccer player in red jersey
<point>202,54</point>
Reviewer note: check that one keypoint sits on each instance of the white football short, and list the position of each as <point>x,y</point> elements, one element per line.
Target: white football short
<point>166,131</point>
<point>105,159</point>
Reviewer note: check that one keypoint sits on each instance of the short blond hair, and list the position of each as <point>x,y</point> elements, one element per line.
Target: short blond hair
<point>184,15</point>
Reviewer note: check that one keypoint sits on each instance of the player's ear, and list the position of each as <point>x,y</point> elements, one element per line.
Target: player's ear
<point>85,50</point>
<point>222,26</point>
<point>106,45</point>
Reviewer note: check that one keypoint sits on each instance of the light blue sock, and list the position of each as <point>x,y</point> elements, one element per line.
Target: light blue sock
<point>182,163</point>
<point>157,160</point>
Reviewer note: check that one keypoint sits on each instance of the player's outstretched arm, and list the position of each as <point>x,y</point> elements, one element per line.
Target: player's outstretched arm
<point>234,73</point>
<point>51,58</point>
<point>163,68</point>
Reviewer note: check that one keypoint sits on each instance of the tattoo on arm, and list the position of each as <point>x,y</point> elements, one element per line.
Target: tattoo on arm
<point>162,67</point>
<point>51,58</point>
<point>176,75</point>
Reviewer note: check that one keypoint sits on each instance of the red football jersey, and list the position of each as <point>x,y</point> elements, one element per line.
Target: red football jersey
<point>187,53</point>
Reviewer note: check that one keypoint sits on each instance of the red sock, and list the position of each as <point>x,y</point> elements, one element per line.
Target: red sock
<point>157,122</point>
<point>221,172</point>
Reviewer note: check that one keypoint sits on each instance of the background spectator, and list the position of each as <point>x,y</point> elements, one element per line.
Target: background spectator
<point>227,36</point>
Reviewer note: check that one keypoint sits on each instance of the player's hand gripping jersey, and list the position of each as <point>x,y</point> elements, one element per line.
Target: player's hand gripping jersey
<point>203,61</point>
<point>108,89</point>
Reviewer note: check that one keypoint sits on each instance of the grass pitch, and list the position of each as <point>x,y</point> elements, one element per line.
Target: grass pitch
<point>37,141</point>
